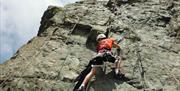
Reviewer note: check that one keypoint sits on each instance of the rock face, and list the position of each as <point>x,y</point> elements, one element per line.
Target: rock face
<point>66,42</point>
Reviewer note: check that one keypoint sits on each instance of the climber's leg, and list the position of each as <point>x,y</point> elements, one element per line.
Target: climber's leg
<point>118,66</point>
<point>88,77</point>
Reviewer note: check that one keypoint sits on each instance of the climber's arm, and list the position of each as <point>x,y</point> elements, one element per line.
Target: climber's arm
<point>116,45</point>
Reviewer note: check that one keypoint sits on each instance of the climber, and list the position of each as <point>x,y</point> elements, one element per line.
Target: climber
<point>104,54</point>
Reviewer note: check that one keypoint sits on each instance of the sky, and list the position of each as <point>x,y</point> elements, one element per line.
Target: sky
<point>20,21</point>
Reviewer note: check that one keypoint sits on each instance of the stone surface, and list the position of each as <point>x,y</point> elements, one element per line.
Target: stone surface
<point>66,42</point>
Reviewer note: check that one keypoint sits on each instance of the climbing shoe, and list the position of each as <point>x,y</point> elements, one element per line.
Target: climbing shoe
<point>119,75</point>
<point>82,88</point>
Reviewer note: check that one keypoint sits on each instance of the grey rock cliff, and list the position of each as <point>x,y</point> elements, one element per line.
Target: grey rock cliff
<point>66,42</point>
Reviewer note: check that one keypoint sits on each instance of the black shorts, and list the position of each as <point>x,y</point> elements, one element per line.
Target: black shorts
<point>105,57</point>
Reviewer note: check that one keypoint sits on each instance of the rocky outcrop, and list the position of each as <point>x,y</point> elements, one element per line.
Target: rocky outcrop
<point>66,42</point>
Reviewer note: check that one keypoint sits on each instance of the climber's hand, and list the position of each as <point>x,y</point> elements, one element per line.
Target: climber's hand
<point>118,49</point>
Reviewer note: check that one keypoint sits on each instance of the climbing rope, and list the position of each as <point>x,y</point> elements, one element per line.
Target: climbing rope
<point>47,76</point>
<point>66,41</point>
<point>139,65</point>
<point>141,69</point>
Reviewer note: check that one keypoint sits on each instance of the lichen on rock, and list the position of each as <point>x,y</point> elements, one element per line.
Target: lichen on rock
<point>66,41</point>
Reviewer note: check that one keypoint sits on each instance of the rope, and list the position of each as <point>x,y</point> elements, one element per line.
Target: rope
<point>47,76</point>
<point>138,62</point>
<point>141,69</point>
<point>66,43</point>
<point>23,58</point>
<point>63,64</point>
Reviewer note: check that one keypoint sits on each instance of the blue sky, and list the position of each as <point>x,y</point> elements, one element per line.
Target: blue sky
<point>20,21</point>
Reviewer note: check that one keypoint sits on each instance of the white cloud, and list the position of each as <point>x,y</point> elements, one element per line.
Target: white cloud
<point>20,21</point>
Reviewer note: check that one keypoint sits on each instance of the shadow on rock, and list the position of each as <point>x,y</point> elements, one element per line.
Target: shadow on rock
<point>106,82</point>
